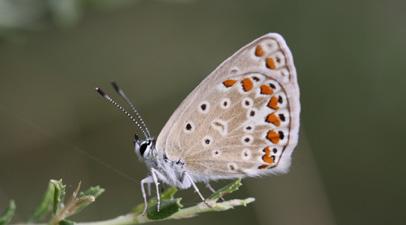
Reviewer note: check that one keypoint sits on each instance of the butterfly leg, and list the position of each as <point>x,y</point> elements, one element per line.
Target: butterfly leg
<point>149,189</point>
<point>212,190</point>
<point>154,173</point>
<point>148,180</point>
<point>197,189</point>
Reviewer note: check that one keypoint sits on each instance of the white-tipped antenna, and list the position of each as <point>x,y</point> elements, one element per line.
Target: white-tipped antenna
<point>109,99</point>
<point>124,96</point>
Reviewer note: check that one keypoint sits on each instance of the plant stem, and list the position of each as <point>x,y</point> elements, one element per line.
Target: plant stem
<point>188,212</point>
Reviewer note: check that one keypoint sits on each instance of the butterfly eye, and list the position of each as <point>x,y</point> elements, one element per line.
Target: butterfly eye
<point>144,146</point>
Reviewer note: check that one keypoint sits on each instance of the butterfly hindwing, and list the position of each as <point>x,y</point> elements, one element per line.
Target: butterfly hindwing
<point>243,119</point>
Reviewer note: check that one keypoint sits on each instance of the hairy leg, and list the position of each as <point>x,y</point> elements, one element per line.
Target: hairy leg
<point>154,173</point>
<point>148,180</point>
<point>196,188</point>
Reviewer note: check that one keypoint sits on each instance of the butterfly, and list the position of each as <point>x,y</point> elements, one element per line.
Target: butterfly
<point>241,121</point>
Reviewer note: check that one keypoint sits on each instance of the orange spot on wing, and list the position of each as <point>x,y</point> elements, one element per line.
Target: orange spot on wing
<point>229,83</point>
<point>259,51</point>
<point>247,84</point>
<point>273,136</point>
<point>266,90</point>
<point>267,157</point>
<point>274,119</point>
<point>273,103</point>
<point>270,63</point>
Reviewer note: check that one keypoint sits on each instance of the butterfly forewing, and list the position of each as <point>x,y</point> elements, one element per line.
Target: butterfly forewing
<point>243,119</point>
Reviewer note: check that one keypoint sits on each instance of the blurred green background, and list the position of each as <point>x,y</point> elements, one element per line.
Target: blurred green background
<point>350,57</point>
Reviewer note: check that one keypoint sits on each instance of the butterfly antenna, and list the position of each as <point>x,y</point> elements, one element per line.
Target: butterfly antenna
<point>119,107</point>
<point>124,96</point>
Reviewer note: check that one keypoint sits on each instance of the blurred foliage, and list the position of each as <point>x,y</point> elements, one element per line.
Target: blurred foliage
<point>51,202</point>
<point>53,208</point>
<point>8,214</point>
<point>18,16</point>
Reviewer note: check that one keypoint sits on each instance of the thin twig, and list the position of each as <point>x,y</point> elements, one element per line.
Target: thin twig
<point>188,212</point>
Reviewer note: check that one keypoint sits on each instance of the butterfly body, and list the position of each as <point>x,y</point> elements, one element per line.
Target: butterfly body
<point>241,120</point>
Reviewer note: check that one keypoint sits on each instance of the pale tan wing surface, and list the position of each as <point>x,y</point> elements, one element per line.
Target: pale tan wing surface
<point>242,119</point>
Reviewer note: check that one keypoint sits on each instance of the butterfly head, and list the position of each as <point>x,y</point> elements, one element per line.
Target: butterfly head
<point>144,148</point>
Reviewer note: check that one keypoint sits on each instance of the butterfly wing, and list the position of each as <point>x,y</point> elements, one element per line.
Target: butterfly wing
<point>242,119</point>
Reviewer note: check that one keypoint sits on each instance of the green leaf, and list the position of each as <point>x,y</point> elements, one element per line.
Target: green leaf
<point>230,188</point>
<point>59,194</point>
<point>167,208</point>
<point>169,193</point>
<point>95,191</point>
<point>51,202</point>
<point>8,214</point>
<point>169,205</point>
<point>87,197</point>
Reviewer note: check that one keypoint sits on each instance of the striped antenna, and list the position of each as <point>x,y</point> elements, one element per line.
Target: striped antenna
<point>119,107</point>
<point>124,96</point>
